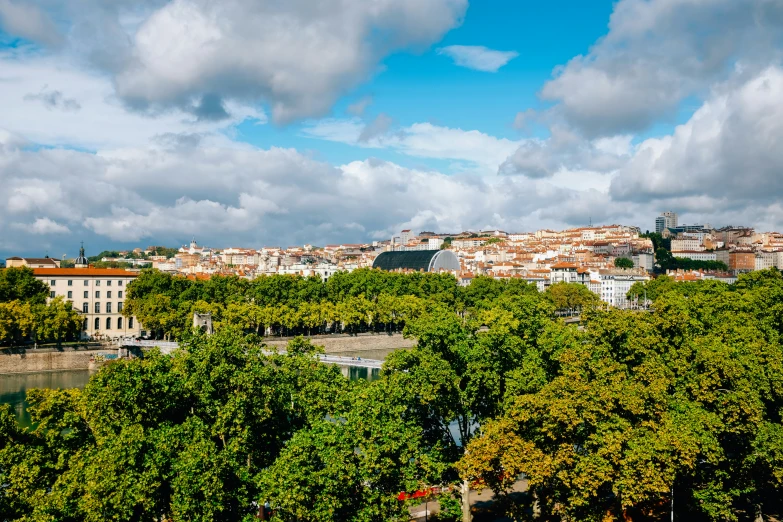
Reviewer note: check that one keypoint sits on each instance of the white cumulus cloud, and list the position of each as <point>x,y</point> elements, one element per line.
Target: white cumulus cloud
<point>478,57</point>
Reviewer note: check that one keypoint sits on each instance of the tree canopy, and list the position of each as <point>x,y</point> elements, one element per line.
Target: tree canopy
<point>605,420</point>
<point>26,317</point>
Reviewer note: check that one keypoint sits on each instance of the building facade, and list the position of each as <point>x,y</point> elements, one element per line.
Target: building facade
<point>98,294</point>
<point>32,262</point>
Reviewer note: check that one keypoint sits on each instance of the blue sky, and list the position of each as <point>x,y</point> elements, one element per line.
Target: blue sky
<point>425,86</point>
<point>248,123</point>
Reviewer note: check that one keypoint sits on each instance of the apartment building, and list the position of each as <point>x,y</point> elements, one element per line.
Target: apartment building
<point>615,285</point>
<point>695,255</point>
<point>97,293</point>
<point>686,244</point>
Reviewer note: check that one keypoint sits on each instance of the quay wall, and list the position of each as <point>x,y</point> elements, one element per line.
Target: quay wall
<point>31,361</point>
<point>367,346</point>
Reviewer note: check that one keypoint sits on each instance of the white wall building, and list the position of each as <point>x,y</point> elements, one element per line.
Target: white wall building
<point>765,260</point>
<point>695,255</point>
<point>615,284</point>
<point>686,244</point>
<point>644,261</point>
<point>434,243</point>
<point>96,293</point>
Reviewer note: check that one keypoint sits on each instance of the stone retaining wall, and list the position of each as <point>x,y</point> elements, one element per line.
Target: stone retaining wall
<point>367,346</point>
<point>47,361</point>
<point>351,344</point>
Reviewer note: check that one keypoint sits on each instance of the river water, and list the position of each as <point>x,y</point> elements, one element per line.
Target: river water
<point>13,387</point>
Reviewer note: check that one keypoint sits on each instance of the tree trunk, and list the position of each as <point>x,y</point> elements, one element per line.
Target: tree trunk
<point>759,514</point>
<point>536,506</point>
<point>465,500</point>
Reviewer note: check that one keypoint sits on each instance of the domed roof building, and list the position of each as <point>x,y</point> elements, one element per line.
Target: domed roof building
<point>418,260</point>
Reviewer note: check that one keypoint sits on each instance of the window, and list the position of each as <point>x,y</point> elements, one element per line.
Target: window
<point>84,326</point>
<point>97,308</point>
<point>97,324</point>
<point>108,294</point>
<point>108,308</point>
<point>70,294</point>
<point>85,309</point>
<point>119,294</point>
<point>130,323</point>
<point>86,283</point>
<point>52,282</point>
<point>119,323</point>
<point>97,283</point>
<point>108,283</point>
<point>119,283</point>
<point>119,307</point>
<point>108,323</point>
<point>70,282</point>
<point>51,294</point>
<point>86,294</point>
<point>97,294</point>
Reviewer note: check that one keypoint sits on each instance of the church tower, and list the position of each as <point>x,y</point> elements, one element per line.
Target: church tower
<point>81,261</point>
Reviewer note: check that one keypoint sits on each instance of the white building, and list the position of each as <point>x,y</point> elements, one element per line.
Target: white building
<point>434,243</point>
<point>468,243</point>
<point>695,255</point>
<point>765,260</point>
<point>96,293</point>
<point>686,244</point>
<point>563,273</point>
<point>323,270</point>
<point>615,284</point>
<point>644,261</point>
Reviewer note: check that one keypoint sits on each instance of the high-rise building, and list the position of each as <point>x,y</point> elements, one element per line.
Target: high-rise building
<point>665,220</point>
<point>405,236</point>
<point>671,219</point>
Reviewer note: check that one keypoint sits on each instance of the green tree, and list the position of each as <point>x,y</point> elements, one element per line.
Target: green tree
<point>57,321</point>
<point>356,462</point>
<point>571,297</point>
<point>17,322</point>
<point>623,262</point>
<point>455,377</point>
<point>641,404</point>
<point>20,284</point>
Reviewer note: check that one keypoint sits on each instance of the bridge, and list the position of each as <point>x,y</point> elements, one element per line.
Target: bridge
<point>169,346</point>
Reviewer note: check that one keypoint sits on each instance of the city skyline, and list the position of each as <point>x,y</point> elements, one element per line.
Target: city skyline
<point>149,122</point>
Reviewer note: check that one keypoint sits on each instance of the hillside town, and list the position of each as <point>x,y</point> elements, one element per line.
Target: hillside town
<point>607,259</point>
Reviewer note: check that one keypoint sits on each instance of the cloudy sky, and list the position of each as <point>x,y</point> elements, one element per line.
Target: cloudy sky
<point>269,122</point>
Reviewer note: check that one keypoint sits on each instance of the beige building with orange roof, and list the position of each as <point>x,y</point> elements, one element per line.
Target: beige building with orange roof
<point>96,293</point>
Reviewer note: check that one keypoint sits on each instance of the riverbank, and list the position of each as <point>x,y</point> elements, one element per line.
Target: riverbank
<point>52,359</point>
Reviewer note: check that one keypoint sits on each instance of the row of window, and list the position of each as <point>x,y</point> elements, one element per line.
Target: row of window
<point>87,294</point>
<point>86,308</point>
<point>109,323</point>
<point>87,282</point>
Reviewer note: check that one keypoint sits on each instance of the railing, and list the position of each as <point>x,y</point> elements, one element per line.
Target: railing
<point>350,361</point>
<point>168,346</point>
<point>172,345</point>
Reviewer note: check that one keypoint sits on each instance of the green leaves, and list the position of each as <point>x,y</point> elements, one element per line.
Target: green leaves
<point>614,417</point>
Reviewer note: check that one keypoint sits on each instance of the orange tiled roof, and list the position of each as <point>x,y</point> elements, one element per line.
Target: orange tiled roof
<point>76,272</point>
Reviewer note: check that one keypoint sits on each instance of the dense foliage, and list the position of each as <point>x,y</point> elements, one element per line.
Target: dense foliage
<point>26,317</point>
<point>363,300</point>
<point>607,421</point>
<point>684,401</point>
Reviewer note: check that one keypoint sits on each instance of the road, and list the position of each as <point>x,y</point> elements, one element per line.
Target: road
<point>479,501</point>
